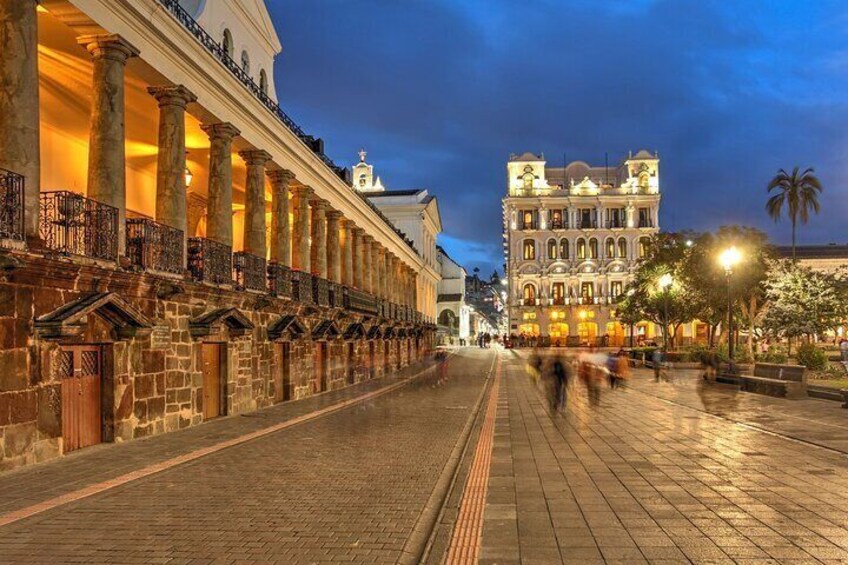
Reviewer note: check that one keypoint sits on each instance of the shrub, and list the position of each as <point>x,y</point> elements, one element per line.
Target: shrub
<point>812,357</point>
<point>775,355</point>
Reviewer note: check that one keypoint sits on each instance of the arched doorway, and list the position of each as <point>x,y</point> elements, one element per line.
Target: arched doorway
<point>615,331</point>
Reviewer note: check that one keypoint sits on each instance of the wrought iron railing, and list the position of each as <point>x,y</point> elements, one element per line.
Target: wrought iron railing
<point>320,291</point>
<point>250,271</point>
<point>335,295</point>
<point>210,261</point>
<point>302,287</point>
<point>360,301</point>
<point>279,280</point>
<point>11,205</point>
<point>75,225</point>
<point>153,246</point>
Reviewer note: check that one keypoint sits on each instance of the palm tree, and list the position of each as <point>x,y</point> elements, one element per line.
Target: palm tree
<point>799,191</point>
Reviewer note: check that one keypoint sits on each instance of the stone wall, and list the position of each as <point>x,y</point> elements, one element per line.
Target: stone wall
<point>151,383</point>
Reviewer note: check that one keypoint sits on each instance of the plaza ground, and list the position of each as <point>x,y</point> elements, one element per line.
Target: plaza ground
<point>400,469</point>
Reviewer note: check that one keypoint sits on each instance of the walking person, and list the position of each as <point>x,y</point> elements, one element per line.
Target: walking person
<point>843,352</point>
<point>657,359</point>
<point>560,377</point>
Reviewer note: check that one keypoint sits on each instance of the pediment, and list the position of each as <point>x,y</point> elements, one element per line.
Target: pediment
<point>69,320</point>
<point>325,330</point>
<point>374,332</point>
<point>215,321</point>
<point>353,331</point>
<point>286,325</point>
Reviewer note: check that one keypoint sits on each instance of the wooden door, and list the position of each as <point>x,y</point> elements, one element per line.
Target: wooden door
<point>351,363</point>
<point>80,369</point>
<point>283,390</point>
<point>213,362</point>
<point>320,382</point>
<point>372,359</point>
<point>386,360</point>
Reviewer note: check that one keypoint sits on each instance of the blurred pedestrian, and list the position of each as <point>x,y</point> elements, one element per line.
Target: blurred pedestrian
<point>559,370</point>
<point>657,360</point>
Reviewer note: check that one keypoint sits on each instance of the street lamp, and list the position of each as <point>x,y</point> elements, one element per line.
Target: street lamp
<point>728,259</point>
<point>664,283</point>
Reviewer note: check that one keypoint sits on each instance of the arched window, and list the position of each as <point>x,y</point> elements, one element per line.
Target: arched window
<point>529,294</point>
<point>245,62</point>
<point>581,248</point>
<point>363,178</point>
<point>528,181</point>
<point>529,250</point>
<point>644,245</point>
<point>622,248</point>
<point>593,248</point>
<point>644,181</point>
<point>563,248</point>
<point>227,43</point>
<point>263,81</point>
<point>448,319</point>
<point>552,249</point>
<point>610,248</point>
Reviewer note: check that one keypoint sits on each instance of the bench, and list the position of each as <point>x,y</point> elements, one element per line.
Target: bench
<point>771,379</point>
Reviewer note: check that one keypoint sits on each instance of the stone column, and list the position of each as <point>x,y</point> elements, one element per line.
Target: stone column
<point>280,230</point>
<point>19,109</point>
<point>387,268</point>
<point>396,280</point>
<point>347,252</point>
<point>334,250</point>
<point>358,257</point>
<point>219,201</point>
<point>107,179</point>
<point>301,259</point>
<point>367,264</point>
<point>380,269</point>
<point>319,238</point>
<point>171,203</point>
<point>254,202</point>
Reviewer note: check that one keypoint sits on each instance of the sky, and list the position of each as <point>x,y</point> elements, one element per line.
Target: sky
<point>441,92</point>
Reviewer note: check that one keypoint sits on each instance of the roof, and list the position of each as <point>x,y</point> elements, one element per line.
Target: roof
<point>406,192</point>
<point>830,251</point>
<point>526,156</point>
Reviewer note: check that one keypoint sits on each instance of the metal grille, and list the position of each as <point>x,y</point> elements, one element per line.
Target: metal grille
<point>89,363</point>
<point>302,287</point>
<point>249,271</point>
<point>11,205</point>
<point>75,225</point>
<point>65,365</point>
<point>279,280</point>
<point>320,291</point>
<point>155,246</point>
<point>210,261</point>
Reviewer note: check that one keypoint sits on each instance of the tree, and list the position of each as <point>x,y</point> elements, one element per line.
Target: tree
<point>803,302</point>
<point>799,192</point>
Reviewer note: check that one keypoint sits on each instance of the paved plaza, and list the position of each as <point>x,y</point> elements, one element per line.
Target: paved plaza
<point>427,464</point>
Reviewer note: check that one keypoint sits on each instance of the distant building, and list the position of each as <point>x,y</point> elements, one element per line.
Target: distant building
<point>453,320</point>
<point>572,239</point>
<point>826,258</point>
<point>488,298</point>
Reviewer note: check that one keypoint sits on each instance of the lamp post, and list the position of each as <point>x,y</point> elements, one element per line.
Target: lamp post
<point>729,258</point>
<point>664,283</point>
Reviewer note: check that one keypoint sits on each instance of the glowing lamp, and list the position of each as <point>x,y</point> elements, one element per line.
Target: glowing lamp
<point>729,258</point>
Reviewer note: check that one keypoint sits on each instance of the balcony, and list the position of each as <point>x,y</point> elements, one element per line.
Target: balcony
<point>210,261</point>
<point>301,287</point>
<point>320,291</point>
<point>646,223</point>
<point>11,205</point>
<point>558,300</point>
<point>363,302</point>
<point>528,302</point>
<point>336,295</point>
<point>72,224</point>
<point>154,247</point>
<point>615,224</point>
<point>249,272</point>
<point>279,280</point>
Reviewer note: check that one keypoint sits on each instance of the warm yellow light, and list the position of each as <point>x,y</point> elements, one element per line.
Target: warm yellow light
<point>582,314</point>
<point>188,177</point>
<point>730,257</point>
<point>665,281</point>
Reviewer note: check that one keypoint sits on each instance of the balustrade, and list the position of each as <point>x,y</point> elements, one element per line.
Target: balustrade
<point>210,261</point>
<point>279,280</point>
<point>320,291</point>
<point>301,285</point>
<point>154,246</point>
<point>11,205</point>
<point>249,271</point>
<point>72,224</point>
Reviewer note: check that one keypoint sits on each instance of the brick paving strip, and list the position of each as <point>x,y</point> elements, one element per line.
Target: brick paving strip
<point>465,543</point>
<point>96,488</point>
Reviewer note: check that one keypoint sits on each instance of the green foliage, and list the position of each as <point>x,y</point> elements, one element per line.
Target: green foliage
<point>803,302</point>
<point>799,192</point>
<point>775,355</point>
<point>812,357</point>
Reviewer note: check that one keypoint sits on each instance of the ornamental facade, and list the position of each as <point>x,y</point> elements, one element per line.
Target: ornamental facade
<point>173,246</point>
<point>572,238</point>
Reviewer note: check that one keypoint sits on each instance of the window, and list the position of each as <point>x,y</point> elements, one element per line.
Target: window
<point>622,248</point>
<point>585,220</point>
<point>529,220</point>
<point>610,248</point>
<point>363,179</point>
<point>581,248</point>
<point>644,181</point>
<point>556,219</point>
<point>644,245</point>
<point>263,81</point>
<point>245,62</point>
<point>587,292</point>
<point>593,248</point>
<point>558,293</point>
<point>552,249</point>
<point>227,43</point>
<point>528,177</point>
<point>615,289</point>
<point>529,294</point>
<point>645,220</point>
<point>563,248</point>
<point>616,218</point>
<point>529,250</point>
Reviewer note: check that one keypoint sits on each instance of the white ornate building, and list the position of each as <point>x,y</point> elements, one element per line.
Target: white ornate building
<point>572,237</point>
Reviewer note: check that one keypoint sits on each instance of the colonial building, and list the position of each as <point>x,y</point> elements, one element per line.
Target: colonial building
<point>830,258</point>
<point>454,321</point>
<point>173,246</point>
<point>572,237</point>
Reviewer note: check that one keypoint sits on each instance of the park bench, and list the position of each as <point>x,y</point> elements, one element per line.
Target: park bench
<point>782,381</point>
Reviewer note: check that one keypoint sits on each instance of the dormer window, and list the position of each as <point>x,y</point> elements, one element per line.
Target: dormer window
<point>227,43</point>
<point>245,62</point>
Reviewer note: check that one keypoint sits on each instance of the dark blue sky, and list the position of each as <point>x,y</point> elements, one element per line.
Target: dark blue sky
<point>440,92</point>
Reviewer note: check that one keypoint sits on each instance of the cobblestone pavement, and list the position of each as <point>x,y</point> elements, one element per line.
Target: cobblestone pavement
<point>348,486</point>
<point>640,479</point>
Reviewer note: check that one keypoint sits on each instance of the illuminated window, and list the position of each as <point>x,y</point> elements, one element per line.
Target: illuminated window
<point>610,248</point>
<point>558,293</point>
<point>363,179</point>
<point>622,248</point>
<point>528,177</point>
<point>227,43</point>
<point>529,218</point>
<point>581,248</point>
<point>529,294</point>
<point>593,248</point>
<point>556,219</point>
<point>529,250</point>
<point>529,315</point>
<point>563,248</point>
<point>644,245</point>
<point>615,289</point>
<point>644,181</point>
<point>587,292</point>
<point>552,249</point>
